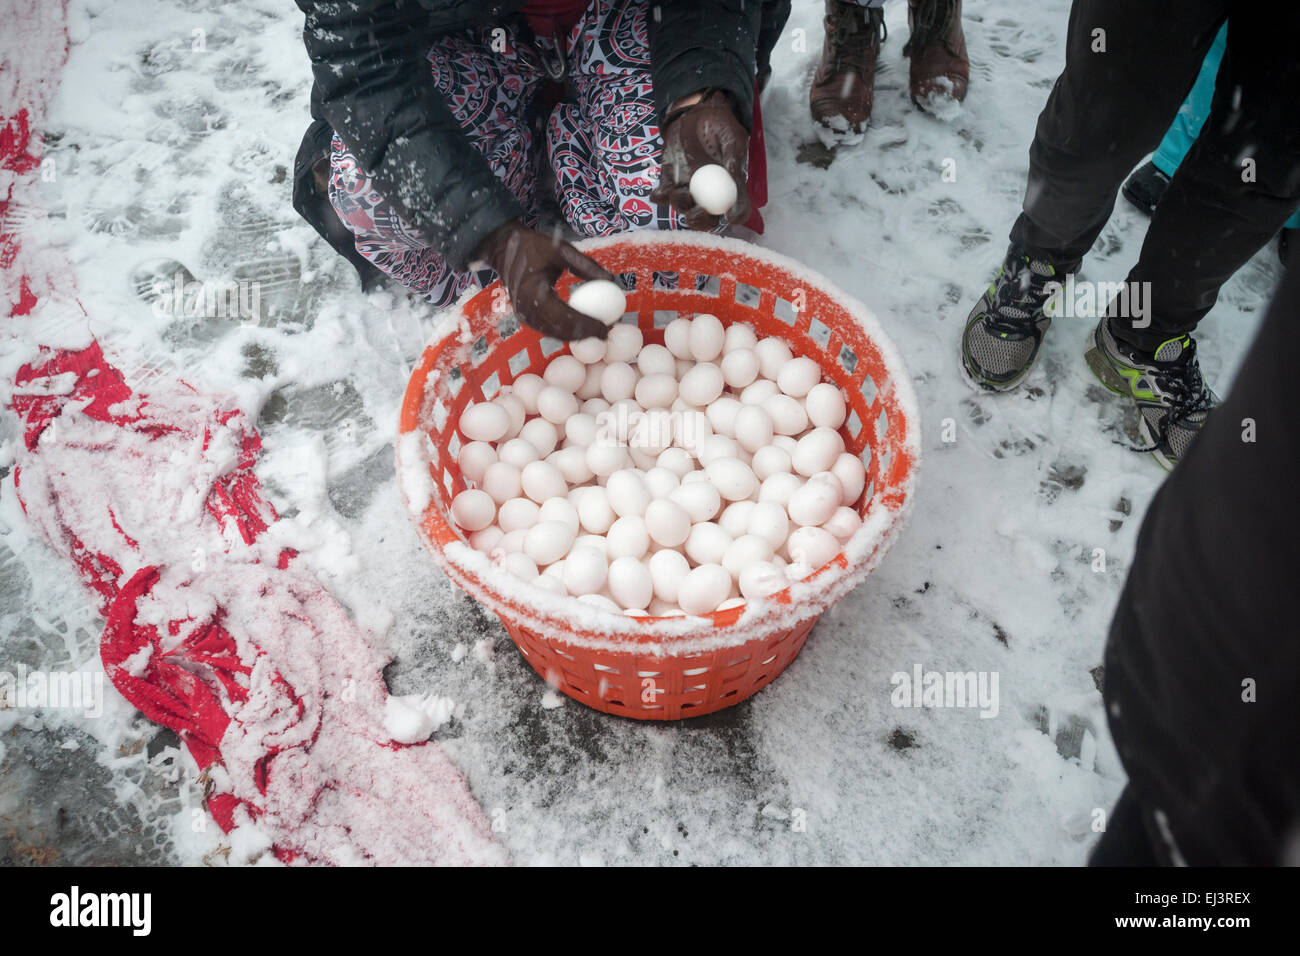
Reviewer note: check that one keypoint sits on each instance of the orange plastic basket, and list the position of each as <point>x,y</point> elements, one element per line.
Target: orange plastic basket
<point>664,668</point>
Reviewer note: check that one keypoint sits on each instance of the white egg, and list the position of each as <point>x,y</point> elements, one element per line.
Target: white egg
<point>513,541</point>
<point>572,462</point>
<point>594,511</point>
<point>474,458</point>
<point>656,360</point>
<point>779,487</point>
<point>721,414</point>
<point>707,337</point>
<point>514,406</point>
<point>548,541</point>
<point>844,523</point>
<point>770,460</point>
<point>825,405</point>
<point>817,451</point>
<point>596,541</point>
<point>772,355</point>
<point>502,481</point>
<point>600,299</point>
<point>762,579</point>
<point>618,382</point>
<point>628,537</point>
<point>630,582</point>
<point>704,589</point>
<point>786,443</point>
<point>713,189</point>
<point>758,392</point>
<point>590,387</point>
<point>526,388</point>
<point>566,372</point>
<point>676,460</point>
<point>606,457</point>
<point>517,451</point>
<point>699,499</point>
<point>473,509</point>
<point>739,336</point>
<point>701,385</point>
<point>667,523</point>
<point>739,368</point>
<point>585,570</point>
<point>677,337</point>
<point>581,429</point>
<point>561,510</point>
<point>770,522</point>
<point>542,435</point>
<point>555,404</point>
<point>852,475</point>
<point>797,376</point>
<point>588,351</point>
<point>661,481</point>
<point>594,406</point>
<point>486,539</point>
<point>788,416</point>
<point>520,565</point>
<point>716,447</point>
<point>623,342</point>
<point>485,421</point>
<point>816,500</point>
<point>667,569</point>
<point>707,543</point>
<point>692,429</point>
<point>810,548</point>
<point>518,513</point>
<point>730,603</point>
<point>627,491</point>
<point>735,517</point>
<point>656,390</point>
<point>753,427</point>
<point>541,480</point>
<point>733,478</point>
<point>746,550</point>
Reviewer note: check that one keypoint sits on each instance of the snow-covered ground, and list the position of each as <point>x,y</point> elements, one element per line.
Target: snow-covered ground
<point>173,135</point>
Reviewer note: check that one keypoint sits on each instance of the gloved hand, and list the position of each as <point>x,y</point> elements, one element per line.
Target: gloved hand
<point>528,263</point>
<point>697,133</point>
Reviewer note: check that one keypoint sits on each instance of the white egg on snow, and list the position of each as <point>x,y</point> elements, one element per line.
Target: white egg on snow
<point>713,189</point>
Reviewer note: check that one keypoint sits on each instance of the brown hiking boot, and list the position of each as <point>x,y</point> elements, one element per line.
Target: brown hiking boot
<point>844,85</point>
<point>940,69</point>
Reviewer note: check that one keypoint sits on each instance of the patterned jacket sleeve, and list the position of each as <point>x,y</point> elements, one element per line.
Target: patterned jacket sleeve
<point>376,91</point>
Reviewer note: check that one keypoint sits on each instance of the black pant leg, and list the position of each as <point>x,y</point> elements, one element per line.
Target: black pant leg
<point>1213,218</point>
<point>1202,680</point>
<point>1106,111</point>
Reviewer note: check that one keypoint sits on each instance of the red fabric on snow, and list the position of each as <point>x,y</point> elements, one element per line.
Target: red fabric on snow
<point>274,689</point>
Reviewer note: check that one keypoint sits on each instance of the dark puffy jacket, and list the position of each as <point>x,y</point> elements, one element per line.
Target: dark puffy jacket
<point>373,86</point>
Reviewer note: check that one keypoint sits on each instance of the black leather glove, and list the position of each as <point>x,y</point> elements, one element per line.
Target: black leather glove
<point>528,263</point>
<point>698,133</point>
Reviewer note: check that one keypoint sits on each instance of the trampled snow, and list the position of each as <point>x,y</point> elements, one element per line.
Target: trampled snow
<point>173,136</point>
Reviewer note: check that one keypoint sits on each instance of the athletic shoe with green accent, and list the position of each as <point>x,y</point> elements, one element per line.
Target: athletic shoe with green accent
<point>1005,329</point>
<point>1172,397</point>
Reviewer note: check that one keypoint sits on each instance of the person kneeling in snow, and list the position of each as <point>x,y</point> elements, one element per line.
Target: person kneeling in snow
<point>429,118</point>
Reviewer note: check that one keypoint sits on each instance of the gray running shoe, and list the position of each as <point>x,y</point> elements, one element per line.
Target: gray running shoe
<point>1005,329</point>
<point>1172,398</point>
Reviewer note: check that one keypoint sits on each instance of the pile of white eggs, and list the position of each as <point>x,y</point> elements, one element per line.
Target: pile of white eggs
<point>661,480</point>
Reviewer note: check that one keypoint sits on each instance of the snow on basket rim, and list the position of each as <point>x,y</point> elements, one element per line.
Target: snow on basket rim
<point>570,621</point>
